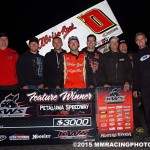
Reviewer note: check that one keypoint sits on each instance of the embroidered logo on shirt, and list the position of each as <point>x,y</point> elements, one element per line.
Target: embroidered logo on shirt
<point>9,57</point>
<point>122,59</point>
<point>96,56</point>
<point>143,58</point>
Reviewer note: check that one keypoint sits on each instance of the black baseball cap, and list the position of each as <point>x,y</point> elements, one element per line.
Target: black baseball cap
<point>34,39</point>
<point>3,34</point>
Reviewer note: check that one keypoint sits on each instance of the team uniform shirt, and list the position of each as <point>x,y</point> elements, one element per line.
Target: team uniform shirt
<point>141,63</point>
<point>94,59</point>
<point>75,71</point>
<point>8,74</point>
<point>30,69</point>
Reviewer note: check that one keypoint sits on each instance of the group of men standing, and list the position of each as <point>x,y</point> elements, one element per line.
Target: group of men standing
<point>87,68</point>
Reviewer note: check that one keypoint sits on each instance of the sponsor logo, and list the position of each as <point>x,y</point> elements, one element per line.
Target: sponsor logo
<point>119,110</point>
<point>103,124</point>
<point>119,123</point>
<point>103,112</point>
<point>127,113</point>
<point>145,57</point>
<point>112,128</point>
<point>64,31</point>
<point>114,97</point>
<point>110,31</point>
<point>10,108</point>
<point>111,116</point>
<point>3,137</point>
<point>127,117</point>
<point>118,107</point>
<point>104,129</point>
<point>42,136</point>
<point>111,120</point>
<point>119,128</point>
<point>103,120</point>
<point>19,137</point>
<point>111,107</point>
<point>127,127</point>
<point>111,123</point>
<point>127,110</point>
<point>119,115</point>
<point>103,108</point>
<point>111,111</point>
<point>73,134</point>
<point>126,106</point>
<point>127,124</point>
<point>119,119</point>
<point>122,59</point>
<point>103,116</point>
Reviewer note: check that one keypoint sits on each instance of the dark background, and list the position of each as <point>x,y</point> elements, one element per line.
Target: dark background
<point>22,19</point>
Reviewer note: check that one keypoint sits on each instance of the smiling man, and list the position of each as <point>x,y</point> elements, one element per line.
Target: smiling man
<point>8,60</point>
<point>74,70</point>
<point>141,76</point>
<point>30,67</point>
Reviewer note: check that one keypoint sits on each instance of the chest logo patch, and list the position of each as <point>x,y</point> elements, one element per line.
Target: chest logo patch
<point>145,57</point>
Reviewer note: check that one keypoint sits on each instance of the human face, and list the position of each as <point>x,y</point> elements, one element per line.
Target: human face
<point>33,47</point>
<point>141,41</point>
<point>57,44</point>
<point>73,45</point>
<point>114,44</point>
<point>3,42</point>
<point>123,47</point>
<point>91,43</point>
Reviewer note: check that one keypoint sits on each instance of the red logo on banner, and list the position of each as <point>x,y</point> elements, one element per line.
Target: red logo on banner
<point>64,31</point>
<point>97,21</point>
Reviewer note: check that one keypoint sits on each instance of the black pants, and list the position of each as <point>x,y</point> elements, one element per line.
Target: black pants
<point>137,113</point>
<point>145,92</point>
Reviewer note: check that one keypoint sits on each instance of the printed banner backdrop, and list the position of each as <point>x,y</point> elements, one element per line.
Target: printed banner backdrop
<point>47,116</point>
<point>114,112</point>
<point>98,20</point>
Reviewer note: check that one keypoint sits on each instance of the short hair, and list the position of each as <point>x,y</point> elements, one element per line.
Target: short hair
<point>114,37</point>
<point>3,34</point>
<point>139,33</point>
<point>91,35</point>
<point>34,39</point>
<point>57,37</point>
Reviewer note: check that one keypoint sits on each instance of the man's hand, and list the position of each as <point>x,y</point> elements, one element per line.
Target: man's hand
<point>25,87</point>
<point>41,86</point>
<point>57,87</point>
<point>126,86</point>
<point>135,94</point>
<point>107,85</point>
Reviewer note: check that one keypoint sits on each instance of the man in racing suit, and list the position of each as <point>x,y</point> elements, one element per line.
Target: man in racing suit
<point>74,69</point>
